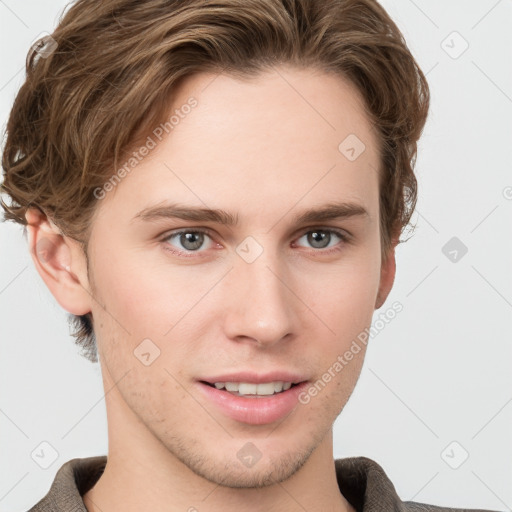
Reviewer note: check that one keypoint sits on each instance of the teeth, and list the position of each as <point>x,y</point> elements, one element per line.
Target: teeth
<point>246,388</point>
<point>250,389</point>
<point>278,386</point>
<point>231,386</point>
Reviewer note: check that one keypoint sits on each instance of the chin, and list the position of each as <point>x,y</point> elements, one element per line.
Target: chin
<point>230,472</point>
<point>262,474</point>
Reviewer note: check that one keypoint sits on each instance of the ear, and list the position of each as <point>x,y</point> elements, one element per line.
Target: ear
<point>60,262</point>
<point>387,276</point>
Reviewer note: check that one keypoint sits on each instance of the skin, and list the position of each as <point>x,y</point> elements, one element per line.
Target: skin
<point>261,150</point>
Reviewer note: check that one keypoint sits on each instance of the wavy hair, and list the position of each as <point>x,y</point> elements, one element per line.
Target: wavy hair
<point>114,67</point>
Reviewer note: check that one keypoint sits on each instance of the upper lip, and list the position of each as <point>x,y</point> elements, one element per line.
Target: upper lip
<point>256,378</point>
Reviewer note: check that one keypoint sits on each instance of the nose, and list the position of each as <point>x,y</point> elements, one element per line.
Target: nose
<point>261,306</point>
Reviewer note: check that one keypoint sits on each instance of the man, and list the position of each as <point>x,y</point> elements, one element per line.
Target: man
<point>215,191</point>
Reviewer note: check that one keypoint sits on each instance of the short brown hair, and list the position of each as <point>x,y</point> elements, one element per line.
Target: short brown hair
<point>117,62</point>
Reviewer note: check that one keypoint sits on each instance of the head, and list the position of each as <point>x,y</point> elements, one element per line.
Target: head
<point>261,109</point>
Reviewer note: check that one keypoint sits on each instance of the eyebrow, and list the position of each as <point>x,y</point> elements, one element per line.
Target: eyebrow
<point>329,211</point>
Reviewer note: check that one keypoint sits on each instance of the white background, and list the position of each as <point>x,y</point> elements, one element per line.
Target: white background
<point>438,373</point>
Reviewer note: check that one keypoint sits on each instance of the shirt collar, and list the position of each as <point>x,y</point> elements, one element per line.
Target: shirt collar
<point>362,482</point>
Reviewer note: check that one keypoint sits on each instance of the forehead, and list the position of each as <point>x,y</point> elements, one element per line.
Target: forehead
<point>284,136</point>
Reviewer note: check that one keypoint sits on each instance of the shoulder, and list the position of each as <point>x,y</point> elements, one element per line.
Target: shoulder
<point>74,478</point>
<point>364,483</point>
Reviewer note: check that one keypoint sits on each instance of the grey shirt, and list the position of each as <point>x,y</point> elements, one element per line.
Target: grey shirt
<point>361,480</point>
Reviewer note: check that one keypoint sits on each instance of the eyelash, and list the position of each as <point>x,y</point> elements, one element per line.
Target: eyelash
<point>189,254</point>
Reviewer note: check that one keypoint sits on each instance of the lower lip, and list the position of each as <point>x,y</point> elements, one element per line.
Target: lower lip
<point>255,411</point>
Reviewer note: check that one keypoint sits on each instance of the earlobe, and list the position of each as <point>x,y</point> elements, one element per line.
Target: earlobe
<point>387,277</point>
<point>58,262</point>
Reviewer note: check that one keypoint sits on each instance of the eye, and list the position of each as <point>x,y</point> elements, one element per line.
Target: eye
<point>320,238</point>
<point>189,240</point>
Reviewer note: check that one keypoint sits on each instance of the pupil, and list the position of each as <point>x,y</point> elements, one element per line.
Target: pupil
<point>322,235</point>
<point>188,238</point>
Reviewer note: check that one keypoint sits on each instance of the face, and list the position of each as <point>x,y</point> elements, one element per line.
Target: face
<point>183,300</point>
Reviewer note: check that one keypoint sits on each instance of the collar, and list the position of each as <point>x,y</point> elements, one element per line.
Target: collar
<point>361,480</point>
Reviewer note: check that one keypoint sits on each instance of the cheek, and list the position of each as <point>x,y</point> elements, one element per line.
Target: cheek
<point>145,297</point>
<point>159,302</point>
<point>344,298</point>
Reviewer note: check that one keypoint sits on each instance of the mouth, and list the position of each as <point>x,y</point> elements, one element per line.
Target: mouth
<point>253,403</point>
<point>253,390</point>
